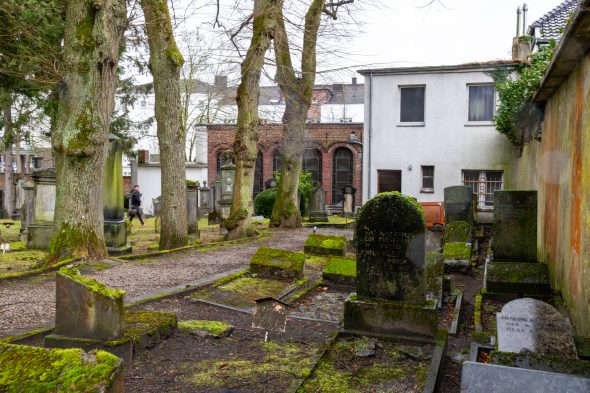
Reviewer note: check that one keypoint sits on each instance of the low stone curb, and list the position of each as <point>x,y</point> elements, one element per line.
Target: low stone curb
<point>456,313</point>
<point>35,272</point>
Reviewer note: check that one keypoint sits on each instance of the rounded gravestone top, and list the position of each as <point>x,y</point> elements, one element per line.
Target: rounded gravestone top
<point>391,211</point>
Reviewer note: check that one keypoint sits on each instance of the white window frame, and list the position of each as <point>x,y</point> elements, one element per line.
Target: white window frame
<point>479,123</point>
<point>401,123</point>
<point>422,189</point>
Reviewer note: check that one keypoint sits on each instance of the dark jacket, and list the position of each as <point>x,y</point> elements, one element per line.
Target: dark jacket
<point>135,198</point>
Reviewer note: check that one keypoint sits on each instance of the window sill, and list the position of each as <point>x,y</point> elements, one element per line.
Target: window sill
<point>480,124</point>
<point>411,124</point>
<point>427,191</point>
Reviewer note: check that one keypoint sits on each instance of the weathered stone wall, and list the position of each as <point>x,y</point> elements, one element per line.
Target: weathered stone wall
<point>558,167</point>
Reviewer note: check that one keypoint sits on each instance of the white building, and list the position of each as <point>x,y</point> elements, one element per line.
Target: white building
<point>427,128</point>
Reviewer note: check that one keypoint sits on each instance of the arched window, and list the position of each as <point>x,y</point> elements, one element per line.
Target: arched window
<point>219,162</point>
<point>258,182</point>
<point>312,162</point>
<point>341,173</point>
<point>276,161</point>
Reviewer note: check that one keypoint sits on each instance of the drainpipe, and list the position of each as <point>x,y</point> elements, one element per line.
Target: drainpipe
<point>370,131</point>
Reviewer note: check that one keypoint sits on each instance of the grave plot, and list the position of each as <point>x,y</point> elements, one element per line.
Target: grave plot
<point>272,273</point>
<point>363,364</point>
<point>317,244</point>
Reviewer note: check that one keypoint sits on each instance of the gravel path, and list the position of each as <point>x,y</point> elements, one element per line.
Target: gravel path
<point>30,304</point>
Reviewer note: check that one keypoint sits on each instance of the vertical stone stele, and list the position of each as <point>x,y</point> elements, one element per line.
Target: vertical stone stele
<point>391,271</point>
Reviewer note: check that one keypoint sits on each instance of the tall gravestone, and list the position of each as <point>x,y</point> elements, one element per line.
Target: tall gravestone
<point>515,226</point>
<point>459,204</point>
<point>192,215</point>
<point>41,225</point>
<point>317,205</point>
<point>391,270</point>
<point>115,228</point>
<point>28,209</point>
<point>228,174</point>
<point>204,200</point>
<point>348,193</point>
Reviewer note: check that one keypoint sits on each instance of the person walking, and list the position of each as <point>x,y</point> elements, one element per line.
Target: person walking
<point>135,208</point>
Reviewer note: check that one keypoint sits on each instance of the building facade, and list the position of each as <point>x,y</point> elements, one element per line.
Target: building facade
<point>427,128</point>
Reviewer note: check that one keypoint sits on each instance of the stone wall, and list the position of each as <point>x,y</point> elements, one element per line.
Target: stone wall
<point>557,167</point>
<point>325,137</point>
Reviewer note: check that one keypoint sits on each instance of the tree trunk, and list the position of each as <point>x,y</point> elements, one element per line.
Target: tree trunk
<point>298,93</point>
<point>239,222</point>
<point>92,40</point>
<point>19,162</point>
<point>8,189</point>
<point>165,64</point>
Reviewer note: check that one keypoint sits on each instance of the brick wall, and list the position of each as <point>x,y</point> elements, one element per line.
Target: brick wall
<point>327,138</point>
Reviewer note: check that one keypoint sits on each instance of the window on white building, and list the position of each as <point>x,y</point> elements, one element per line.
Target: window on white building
<point>481,103</point>
<point>427,178</point>
<point>412,104</point>
<point>484,183</point>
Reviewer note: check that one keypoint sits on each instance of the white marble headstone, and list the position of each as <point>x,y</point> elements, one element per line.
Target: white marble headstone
<point>535,326</point>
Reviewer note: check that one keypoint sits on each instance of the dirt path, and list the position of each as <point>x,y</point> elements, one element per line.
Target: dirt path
<point>28,304</point>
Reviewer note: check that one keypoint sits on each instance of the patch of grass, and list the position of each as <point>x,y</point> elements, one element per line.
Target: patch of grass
<point>341,267</point>
<point>255,287</point>
<point>457,250</point>
<point>213,327</point>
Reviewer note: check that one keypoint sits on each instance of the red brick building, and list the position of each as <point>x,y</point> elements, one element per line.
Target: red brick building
<point>333,155</point>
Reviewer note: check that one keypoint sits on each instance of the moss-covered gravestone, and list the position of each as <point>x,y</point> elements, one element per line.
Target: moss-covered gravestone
<point>41,226</point>
<point>457,231</point>
<point>317,244</point>
<point>459,204</point>
<point>515,226</point>
<point>86,308</point>
<point>274,263</point>
<point>391,273</point>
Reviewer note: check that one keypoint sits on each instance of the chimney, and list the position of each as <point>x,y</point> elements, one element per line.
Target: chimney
<point>220,82</point>
<point>521,44</point>
<point>354,80</point>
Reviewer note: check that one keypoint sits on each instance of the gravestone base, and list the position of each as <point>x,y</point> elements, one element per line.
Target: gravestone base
<point>39,235</point>
<point>318,217</point>
<point>123,349</point>
<point>115,237</point>
<point>530,278</point>
<point>390,317</point>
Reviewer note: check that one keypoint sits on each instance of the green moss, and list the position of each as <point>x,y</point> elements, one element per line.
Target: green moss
<point>481,337</point>
<point>341,266</point>
<point>457,250</point>
<point>37,370</point>
<point>73,274</point>
<point>76,243</point>
<point>213,327</point>
<point>191,183</point>
<point>228,278</point>
<point>174,55</point>
<point>279,258</point>
<point>235,218</point>
<point>325,245</point>
<point>254,287</point>
<point>278,362</point>
<point>457,231</point>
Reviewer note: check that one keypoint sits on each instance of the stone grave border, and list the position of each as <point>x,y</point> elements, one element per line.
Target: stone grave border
<point>177,291</point>
<point>36,272</point>
<point>440,343</point>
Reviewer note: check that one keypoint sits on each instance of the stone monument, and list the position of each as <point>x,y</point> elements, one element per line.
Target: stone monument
<point>348,192</point>
<point>515,226</point>
<point>192,215</point>
<point>204,200</point>
<point>391,270</point>
<point>228,173</point>
<point>459,204</point>
<point>317,205</point>
<point>115,228</point>
<point>41,225</point>
<point>28,209</point>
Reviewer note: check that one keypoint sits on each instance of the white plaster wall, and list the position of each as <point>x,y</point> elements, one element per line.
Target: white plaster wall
<point>149,180</point>
<point>445,141</point>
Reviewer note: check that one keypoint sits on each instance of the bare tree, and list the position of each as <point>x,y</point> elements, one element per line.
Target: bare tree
<point>298,91</point>
<point>245,149</point>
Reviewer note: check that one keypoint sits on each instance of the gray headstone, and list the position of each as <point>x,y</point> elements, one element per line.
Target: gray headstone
<point>459,204</point>
<point>535,326</point>
<point>492,378</point>
<point>317,202</point>
<point>515,226</point>
<point>391,249</point>
<point>192,216</point>
<point>85,308</point>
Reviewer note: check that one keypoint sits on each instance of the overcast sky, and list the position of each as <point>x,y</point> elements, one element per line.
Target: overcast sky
<point>402,33</point>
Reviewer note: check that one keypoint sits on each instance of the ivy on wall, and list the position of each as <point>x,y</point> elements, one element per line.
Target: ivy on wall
<point>515,94</point>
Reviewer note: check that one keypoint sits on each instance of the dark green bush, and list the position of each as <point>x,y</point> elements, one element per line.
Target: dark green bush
<point>264,202</point>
